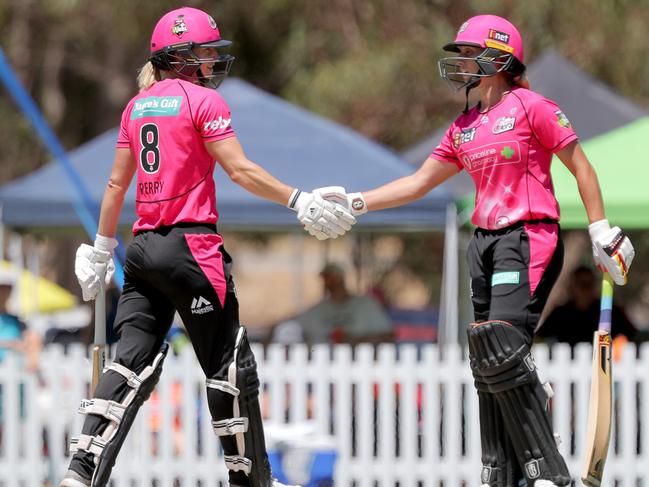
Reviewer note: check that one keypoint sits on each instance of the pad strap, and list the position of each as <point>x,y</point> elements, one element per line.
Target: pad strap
<point>229,427</point>
<point>237,463</point>
<point>111,410</point>
<point>223,386</point>
<point>91,444</point>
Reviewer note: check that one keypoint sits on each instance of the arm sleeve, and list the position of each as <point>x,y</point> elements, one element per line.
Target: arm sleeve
<point>550,125</point>
<point>123,140</point>
<point>213,118</point>
<point>445,150</point>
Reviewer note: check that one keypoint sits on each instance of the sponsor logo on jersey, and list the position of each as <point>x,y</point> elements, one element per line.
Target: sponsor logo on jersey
<point>478,158</point>
<point>179,27</point>
<point>200,306</point>
<point>220,123</point>
<point>504,124</point>
<point>464,136</point>
<point>498,35</point>
<point>156,106</point>
<point>562,120</point>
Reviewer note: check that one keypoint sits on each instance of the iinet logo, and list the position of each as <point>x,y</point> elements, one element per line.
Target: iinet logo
<point>201,306</point>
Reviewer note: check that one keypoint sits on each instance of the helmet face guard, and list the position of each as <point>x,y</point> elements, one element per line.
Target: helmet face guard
<point>489,62</point>
<point>183,60</point>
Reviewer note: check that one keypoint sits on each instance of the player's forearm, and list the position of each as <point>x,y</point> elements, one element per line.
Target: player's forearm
<point>256,180</point>
<point>111,207</point>
<point>396,193</point>
<point>590,193</point>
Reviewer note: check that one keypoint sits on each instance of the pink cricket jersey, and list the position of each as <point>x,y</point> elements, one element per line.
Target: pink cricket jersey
<point>166,128</point>
<point>507,150</point>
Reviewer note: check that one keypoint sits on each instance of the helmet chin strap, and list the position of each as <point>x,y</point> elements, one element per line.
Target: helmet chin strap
<point>468,88</point>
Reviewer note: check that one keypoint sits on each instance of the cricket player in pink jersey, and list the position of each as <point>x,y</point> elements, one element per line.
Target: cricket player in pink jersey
<point>506,143</point>
<point>172,134</point>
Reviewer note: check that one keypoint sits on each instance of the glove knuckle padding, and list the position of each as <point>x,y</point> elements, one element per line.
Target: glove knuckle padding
<point>234,406</point>
<point>500,358</point>
<point>106,445</point>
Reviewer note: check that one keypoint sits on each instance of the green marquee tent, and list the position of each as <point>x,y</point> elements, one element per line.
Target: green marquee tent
<point>621,159</point>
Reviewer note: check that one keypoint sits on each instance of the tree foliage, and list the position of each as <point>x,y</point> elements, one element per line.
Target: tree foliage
<point>369,64</point>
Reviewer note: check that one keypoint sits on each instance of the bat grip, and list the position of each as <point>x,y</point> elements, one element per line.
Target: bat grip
<point>100,307</point>
<point>606,303</point>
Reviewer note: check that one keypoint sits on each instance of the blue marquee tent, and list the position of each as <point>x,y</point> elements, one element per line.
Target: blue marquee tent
<point>298,147</point>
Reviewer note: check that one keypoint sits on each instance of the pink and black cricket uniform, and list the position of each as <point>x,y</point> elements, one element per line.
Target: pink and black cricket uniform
<point>176,261</point>
<point>516,253</point>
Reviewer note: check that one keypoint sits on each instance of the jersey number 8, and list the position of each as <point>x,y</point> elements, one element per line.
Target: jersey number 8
<point>150,153</point>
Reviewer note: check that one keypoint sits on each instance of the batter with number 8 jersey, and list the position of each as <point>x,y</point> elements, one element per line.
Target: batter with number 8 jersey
<point>172,135</point>
<point>506,143</point>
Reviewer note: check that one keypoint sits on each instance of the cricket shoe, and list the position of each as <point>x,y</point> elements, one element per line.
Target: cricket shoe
<point>73,479</point>
<point>544,483</point>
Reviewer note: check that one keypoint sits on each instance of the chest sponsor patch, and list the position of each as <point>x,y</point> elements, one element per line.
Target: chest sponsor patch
<point>504,124</point>
<point>464,136</point>
<point>479,158</point>
<point>157,106</point>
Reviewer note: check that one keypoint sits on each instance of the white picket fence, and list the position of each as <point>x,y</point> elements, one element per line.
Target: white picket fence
<point>401,416</point>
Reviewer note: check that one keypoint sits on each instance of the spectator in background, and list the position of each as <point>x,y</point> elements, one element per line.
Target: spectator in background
<point>14,335</point>
<point>339,317</point>
<point>576,320</point>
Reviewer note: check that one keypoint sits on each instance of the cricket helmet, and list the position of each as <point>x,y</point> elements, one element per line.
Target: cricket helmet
<point>173,43</point>
<point>502,51</point>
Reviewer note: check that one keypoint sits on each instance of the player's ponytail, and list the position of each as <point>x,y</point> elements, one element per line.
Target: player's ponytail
<point>148,76</point>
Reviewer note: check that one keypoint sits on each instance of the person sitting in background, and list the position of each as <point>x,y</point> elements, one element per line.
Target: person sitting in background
<point>576,320</point>
<point>339,317</point>
<point>14,335</point>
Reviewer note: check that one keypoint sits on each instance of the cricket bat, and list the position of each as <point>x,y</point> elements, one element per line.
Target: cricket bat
<point>99,345</point>
<point>601,394</point>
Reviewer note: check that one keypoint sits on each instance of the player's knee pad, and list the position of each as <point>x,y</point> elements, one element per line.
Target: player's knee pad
<point>234,405</point>
<point>105,446</point>
<point>502,358</point>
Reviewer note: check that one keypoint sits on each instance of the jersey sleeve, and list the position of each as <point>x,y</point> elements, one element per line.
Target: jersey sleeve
<point>550,125</point>
<point>123,140</point>
<point>213,118</point>
<point>445,151</point>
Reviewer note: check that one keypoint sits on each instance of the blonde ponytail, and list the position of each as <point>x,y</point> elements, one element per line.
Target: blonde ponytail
<point>147,76</point>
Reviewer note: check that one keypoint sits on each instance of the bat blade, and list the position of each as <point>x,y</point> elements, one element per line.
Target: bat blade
<point>601,395</point>
<point>98,363</point>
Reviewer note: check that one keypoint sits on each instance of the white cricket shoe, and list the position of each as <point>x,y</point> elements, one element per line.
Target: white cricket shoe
<point>73,479</point>
<point>277,483</point>
<point>544,483</point>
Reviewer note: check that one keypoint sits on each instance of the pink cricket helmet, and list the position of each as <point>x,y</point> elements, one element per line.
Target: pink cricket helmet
<point>489,31</point>
<point>173,41</point>
<point>502,51</point>
<point>186,25</point>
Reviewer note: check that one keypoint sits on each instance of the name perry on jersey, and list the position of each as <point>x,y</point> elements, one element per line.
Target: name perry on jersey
<point>150,187</point>
<point>220,123</point>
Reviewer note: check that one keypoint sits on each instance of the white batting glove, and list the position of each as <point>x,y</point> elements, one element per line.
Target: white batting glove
<point>354,202</point>
<point>612,250</point>
<point>322,219</point>
<point>94,264</point>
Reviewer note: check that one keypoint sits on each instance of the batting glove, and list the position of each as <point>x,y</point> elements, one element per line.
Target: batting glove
<point>612,250</point>
<point>353,202</point>
<point>322,219</point>
<point>94,264</point>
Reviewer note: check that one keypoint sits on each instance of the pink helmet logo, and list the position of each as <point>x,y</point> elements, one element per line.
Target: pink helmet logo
<point>212,22</point>
<point>179,27</point>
